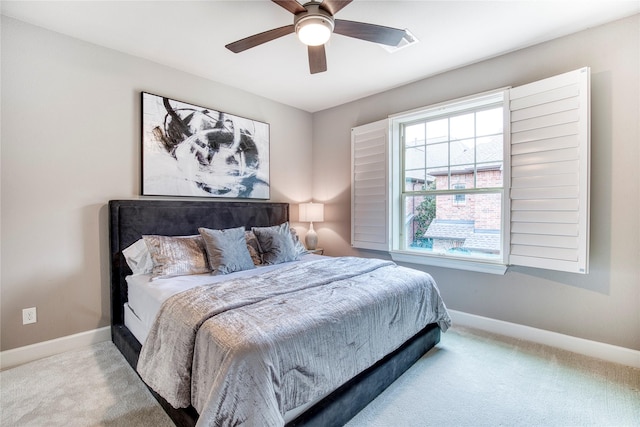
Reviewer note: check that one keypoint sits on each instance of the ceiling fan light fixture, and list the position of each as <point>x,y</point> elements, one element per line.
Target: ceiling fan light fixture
<point>314,30</point>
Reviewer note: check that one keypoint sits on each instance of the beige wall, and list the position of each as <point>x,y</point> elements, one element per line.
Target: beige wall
<point>70,142</point>
<point>603,306</point>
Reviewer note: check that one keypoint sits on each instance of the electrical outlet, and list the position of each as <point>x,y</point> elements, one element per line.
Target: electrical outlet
<point>29,315</point>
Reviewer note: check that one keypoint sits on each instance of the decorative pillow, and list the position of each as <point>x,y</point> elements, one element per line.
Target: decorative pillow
<point>227,250</point>
<point>138,258</point>
<point>276,243</point>
<point>253,246</point>
<point>300,249</point>
<point>177,256</point>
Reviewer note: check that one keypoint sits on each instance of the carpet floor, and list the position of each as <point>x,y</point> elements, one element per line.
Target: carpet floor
<point>471,378</point>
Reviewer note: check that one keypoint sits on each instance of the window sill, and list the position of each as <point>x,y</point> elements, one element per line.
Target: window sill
<point>455,263</point>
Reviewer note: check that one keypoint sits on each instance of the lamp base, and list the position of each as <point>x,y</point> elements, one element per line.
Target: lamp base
<point>311,239</point>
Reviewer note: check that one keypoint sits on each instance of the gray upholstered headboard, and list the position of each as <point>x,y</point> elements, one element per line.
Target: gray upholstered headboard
<point>130,219</point>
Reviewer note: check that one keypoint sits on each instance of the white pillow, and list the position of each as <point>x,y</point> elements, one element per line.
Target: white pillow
<point>138,258</point>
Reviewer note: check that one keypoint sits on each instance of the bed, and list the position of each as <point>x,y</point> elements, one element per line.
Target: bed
<point>131,219</point>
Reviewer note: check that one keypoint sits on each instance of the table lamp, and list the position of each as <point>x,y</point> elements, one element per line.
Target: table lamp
<point>311,212</point>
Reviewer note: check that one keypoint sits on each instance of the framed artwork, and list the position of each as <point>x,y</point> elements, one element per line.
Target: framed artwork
<point>195,151</point>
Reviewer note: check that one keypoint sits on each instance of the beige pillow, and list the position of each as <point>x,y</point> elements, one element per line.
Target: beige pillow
<point>177,256</point>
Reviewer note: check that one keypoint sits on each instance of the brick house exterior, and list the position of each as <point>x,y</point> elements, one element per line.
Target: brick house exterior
<point>487,214</point>
<point>464,221</point>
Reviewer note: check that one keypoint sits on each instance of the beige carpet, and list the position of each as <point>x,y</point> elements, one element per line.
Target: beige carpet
<point>471,379</point>
<point>93,386</point>
<point>478,379</point>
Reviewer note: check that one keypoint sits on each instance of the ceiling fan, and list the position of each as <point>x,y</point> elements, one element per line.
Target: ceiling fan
<point>314,22</point>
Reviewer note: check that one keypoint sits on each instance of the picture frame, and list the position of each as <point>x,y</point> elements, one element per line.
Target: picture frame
<point>194,151</point>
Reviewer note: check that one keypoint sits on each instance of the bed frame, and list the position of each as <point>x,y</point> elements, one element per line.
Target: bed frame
<point>130,219</point>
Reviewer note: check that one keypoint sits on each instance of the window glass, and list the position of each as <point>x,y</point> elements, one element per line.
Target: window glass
<point>414,135</point>
<point>437,131</point>
<point>461,225</point>
<point>438,155</point>
<point>414,158</point>
<point>489,122</point>
<point>453,193</point>
<point>462,126</point>
<point>463,152</point>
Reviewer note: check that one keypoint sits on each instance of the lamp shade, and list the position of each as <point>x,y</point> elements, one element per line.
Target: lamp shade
<point>311,212</point>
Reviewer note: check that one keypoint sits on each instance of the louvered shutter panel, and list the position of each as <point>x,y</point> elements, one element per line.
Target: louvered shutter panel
<point>370,186</point>
<point>550,148</point>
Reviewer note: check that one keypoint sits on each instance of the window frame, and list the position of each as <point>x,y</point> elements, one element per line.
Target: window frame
<point>398,195</point>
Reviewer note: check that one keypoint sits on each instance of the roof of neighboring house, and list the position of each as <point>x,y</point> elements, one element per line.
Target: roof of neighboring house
<point>488,157</point>
<point>483,240</point>
<point>449,229</point>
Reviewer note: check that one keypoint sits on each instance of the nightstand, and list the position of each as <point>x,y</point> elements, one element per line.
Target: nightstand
<point>317,251</point>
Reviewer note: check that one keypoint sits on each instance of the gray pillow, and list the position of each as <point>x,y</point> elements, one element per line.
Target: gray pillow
<point>176,256</point>
<point>300,249</point>
<point>227,250</point>
<point>276,244</point>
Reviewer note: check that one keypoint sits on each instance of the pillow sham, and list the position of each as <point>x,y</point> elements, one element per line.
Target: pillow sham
<point>177,256</point>
<point>138,257</point>
<point>276,243</point>
<point>227,250</point>
<point>253,247</point>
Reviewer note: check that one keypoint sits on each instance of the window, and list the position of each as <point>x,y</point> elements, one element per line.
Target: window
<point>459,198</point>
<point>492,180</point>
<point>450,159</point>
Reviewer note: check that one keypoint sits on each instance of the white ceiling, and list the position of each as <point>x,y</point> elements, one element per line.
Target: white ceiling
<point>190,36</point>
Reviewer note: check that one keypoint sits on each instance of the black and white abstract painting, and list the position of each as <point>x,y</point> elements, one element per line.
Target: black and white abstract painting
<point>195,151</point>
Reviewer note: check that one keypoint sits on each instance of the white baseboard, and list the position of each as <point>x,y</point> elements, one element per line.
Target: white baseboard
<point>29,353</point>
<point>608,352</point>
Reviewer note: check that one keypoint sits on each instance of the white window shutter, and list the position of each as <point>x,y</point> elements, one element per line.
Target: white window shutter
<point>370,186</point>
<point>550,149</point>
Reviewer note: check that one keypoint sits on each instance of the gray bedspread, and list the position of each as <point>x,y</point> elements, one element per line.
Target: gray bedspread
<point>245,351</point>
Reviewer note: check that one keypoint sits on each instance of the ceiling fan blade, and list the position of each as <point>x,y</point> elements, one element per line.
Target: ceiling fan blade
<point>369,32</point>
<point>334,6</point>
<point>291,5</point>
<point>317,59</point>
<point>258,39</point>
